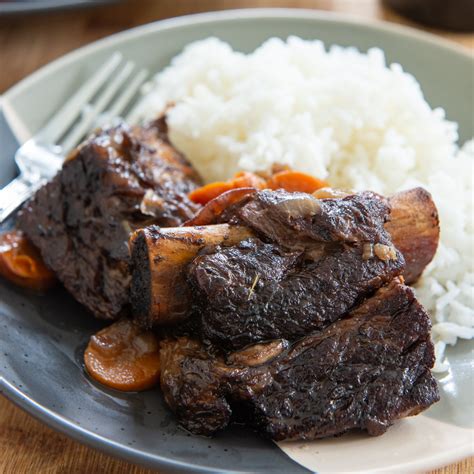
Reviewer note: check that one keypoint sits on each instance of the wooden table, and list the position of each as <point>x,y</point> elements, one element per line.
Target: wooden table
<point>28,42</point>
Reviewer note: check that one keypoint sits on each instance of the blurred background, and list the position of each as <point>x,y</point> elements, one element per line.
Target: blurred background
<point>34,32</point>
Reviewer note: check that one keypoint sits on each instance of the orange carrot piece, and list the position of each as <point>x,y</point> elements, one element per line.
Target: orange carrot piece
<point>210,191</point>
<point>295,181</point>
<point>206,193</point>
<point>124,356</point>
<point>22,264</point>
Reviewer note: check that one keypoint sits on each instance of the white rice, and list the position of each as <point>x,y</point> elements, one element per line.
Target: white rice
<point>338,114</point>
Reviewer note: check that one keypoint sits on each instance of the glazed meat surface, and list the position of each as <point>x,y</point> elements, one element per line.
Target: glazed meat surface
<point>362,372</point>
<point>313,261</point>
<point>296,319</point>
<point>161,294</point>
<point>298,220</point>
<point>119,180</point>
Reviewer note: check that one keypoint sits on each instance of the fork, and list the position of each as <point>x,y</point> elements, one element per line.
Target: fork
<point>111,87</point>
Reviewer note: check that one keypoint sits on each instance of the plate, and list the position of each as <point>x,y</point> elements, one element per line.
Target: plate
<point>42,337</point>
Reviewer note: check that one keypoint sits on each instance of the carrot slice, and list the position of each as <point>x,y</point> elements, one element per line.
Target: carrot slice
<point>124,356</point>
<point>210,191</point>
<point>295,181</point>
<point>22,264</point>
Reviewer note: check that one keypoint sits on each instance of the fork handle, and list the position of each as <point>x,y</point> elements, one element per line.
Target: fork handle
<point>14,194</point>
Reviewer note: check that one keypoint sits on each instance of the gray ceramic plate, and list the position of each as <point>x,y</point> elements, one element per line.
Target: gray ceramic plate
<point>42,338</point>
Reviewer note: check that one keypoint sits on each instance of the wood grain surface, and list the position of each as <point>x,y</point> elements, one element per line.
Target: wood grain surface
<point>30,41</point>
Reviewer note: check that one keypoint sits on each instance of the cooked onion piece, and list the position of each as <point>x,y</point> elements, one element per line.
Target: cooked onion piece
<point>330,193</point>
<point>210,191</point>
<point>215,207</point>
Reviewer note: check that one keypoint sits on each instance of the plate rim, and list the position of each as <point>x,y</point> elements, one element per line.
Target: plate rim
<point>67,426</point>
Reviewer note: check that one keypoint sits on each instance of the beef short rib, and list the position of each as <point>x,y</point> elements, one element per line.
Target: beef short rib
<point>312,262</point>
<point>161,295</point>
<point>302,327</point>
<point>362,372</point>
<point>119,180</point>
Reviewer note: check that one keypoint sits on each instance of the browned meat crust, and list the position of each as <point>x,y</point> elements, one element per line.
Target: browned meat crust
<point>362,372</point>
<point>159,291</point>
<point>163,254</point>
<point>414,228</point>
<point>119,180</point>
<point>308,268</point>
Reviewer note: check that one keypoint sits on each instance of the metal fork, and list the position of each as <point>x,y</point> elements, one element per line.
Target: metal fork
<point>111,87</point>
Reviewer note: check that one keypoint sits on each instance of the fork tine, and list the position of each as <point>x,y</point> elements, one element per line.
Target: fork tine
<point>86,122</point>
<point>127,95</point>
<point>69,112</point>
<point>134,115</point>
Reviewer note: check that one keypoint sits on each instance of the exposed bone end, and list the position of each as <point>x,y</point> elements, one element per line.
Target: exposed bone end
<point>140,288</point>
<point>159,291</point>
<point>414,227</point>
